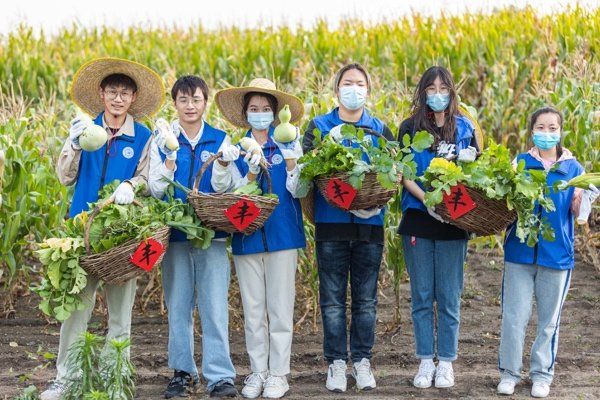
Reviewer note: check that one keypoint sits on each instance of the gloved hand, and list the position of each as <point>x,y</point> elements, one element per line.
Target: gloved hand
<point>160,138</point>
<point>291,150</point>
<point>253,161</point>
<point>366,214</point>
<point>124,193</point>
<point>230,153</point>
<point>76,129</point>
<point>336,133</point>
<point>588,197</point>
<point>467,155</point>
<point>435,215</point>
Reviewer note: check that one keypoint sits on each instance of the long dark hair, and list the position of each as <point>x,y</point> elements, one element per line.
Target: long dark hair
<point>424,118</point>
<point>548,110</point>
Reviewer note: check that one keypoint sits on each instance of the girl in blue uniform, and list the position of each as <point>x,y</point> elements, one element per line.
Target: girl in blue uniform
<point>542,272</point>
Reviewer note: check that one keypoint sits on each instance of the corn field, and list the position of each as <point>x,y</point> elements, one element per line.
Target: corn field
<point>506,65</point>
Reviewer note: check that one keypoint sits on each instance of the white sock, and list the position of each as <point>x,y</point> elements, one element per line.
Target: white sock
<point>447,364</point>
<point>427,362</point>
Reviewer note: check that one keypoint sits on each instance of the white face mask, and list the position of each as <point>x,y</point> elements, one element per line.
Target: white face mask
<point>353,97</point>
<point>260,120</point>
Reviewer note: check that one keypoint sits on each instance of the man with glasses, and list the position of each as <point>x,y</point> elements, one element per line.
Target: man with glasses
<point>117,92</point>
<point>190,275</point>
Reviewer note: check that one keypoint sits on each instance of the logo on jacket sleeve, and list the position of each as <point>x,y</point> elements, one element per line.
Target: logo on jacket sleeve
<point>128,152</point>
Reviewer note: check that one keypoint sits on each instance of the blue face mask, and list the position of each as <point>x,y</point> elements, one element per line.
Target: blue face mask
<point>260,121</point>
<point>353,97</point>
<point>546,140</point>
<point>438,102</point>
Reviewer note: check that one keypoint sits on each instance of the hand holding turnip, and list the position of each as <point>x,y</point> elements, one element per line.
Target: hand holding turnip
<point>165,139</point>
<point>85,134</point>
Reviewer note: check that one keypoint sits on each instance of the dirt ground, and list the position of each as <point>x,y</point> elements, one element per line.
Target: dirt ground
<point>577,364</point>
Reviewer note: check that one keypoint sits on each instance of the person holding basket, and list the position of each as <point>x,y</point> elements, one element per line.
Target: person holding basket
<point>194,276</point>
<point>544,271</point>
<point>435,251</point>
<point>265,260</point>
<point>117,93</point>
<point>348,243</point>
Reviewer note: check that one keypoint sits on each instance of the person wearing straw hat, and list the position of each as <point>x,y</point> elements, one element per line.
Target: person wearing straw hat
<point>191,275</point>
<point>348,243</point>
<point>117,92</point>
<point>266,260</point>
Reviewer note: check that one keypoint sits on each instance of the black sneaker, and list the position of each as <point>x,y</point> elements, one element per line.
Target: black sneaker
<point>224,389</point>
<point>181,385</point>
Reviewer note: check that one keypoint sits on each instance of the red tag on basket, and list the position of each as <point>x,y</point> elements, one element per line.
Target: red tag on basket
<point>242,213</point>
<point>340,192</point>
<point>147,254</point>
<point>458,202</point>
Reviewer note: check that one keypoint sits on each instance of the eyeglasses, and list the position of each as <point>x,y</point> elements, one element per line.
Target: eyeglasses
<point>431,90</point>
<point>184,101</point>
<point>112,94</point>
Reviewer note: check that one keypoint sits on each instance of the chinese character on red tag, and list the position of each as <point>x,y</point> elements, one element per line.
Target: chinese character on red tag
<point>147,254</point>
<point>458,202</point>
<point>242,213</point>
<point>340,193</point>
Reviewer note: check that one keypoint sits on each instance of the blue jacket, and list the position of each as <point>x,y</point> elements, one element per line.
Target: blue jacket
<point>558,254</point>
<point>97,168</point>
<point>464,136</point>
<point>324,213</point>
<point>189,163</point>
<point>284,229</point>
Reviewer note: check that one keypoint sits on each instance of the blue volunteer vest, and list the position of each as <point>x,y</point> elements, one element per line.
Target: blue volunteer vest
<point>284,229</point>
<point>558,254</point>
<point>324,213</point>
<point>117,159</point>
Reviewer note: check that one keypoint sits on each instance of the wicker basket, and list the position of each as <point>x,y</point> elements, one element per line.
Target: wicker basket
<point>113,265</point>
<point>371,194</point>
<point>488,218</point>
<point>210,207</point>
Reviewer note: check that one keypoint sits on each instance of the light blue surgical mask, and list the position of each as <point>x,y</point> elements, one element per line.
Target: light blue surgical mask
<point>545,140</point>
<point>438,102</point>
<point>353,97</point>
<point>260,120</point>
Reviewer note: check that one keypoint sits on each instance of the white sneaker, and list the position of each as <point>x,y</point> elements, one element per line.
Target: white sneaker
<point>506,386</point>
<point>275,387</point>
<point>540,389</point>
<point>363,375</point>
<point>444,375</point>
<point>425,374</point>
<point>53,392</point>
<point>336,376</point>
<point>253,385</point>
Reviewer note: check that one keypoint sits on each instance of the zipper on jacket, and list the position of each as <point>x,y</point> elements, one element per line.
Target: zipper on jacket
<point>104,166</point>
<point>264,239</point>
<point>535,248</point>
<point>190,178</point>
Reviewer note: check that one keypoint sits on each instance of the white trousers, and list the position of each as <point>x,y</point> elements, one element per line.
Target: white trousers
<point>120,303</point>
<point>267,287</point>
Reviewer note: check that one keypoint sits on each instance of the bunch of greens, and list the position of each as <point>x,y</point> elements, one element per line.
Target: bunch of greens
<point>388,159</point>
<point>525,191</point>
<point>115,224</point>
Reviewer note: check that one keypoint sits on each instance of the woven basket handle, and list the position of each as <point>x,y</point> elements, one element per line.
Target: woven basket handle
<point>263,166</point>
<point>96,211</point>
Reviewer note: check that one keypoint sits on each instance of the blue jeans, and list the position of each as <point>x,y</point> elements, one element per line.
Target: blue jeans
<point>435,268</point>
<point>520,284</point>
<point>336,260</point>
<point>193,275</point>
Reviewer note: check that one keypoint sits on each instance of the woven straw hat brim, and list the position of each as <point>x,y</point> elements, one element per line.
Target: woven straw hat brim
<point>231,101</point>
<point>150,93</point>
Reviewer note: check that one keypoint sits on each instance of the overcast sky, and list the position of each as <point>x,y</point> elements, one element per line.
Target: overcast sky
<point>51,15</point>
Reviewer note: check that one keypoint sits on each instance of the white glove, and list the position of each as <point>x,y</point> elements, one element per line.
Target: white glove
<point>435,215</point>
<point>76,129</point>
<point>366,214</point>
<point>230,153</point>
<point>587,198</point>
<point>467,155</point>
<point>253,161</point>
<point>160,138</point>
<point>124,193</point>
<point>291,150</point>
<point>336,133</point>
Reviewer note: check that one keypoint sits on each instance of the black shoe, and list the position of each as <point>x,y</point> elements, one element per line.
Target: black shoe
<point>224,389</point>
<point>181,385</point>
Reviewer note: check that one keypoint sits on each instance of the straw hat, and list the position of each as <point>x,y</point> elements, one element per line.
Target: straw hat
<point>231,101</point>
<point>86,82</point>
